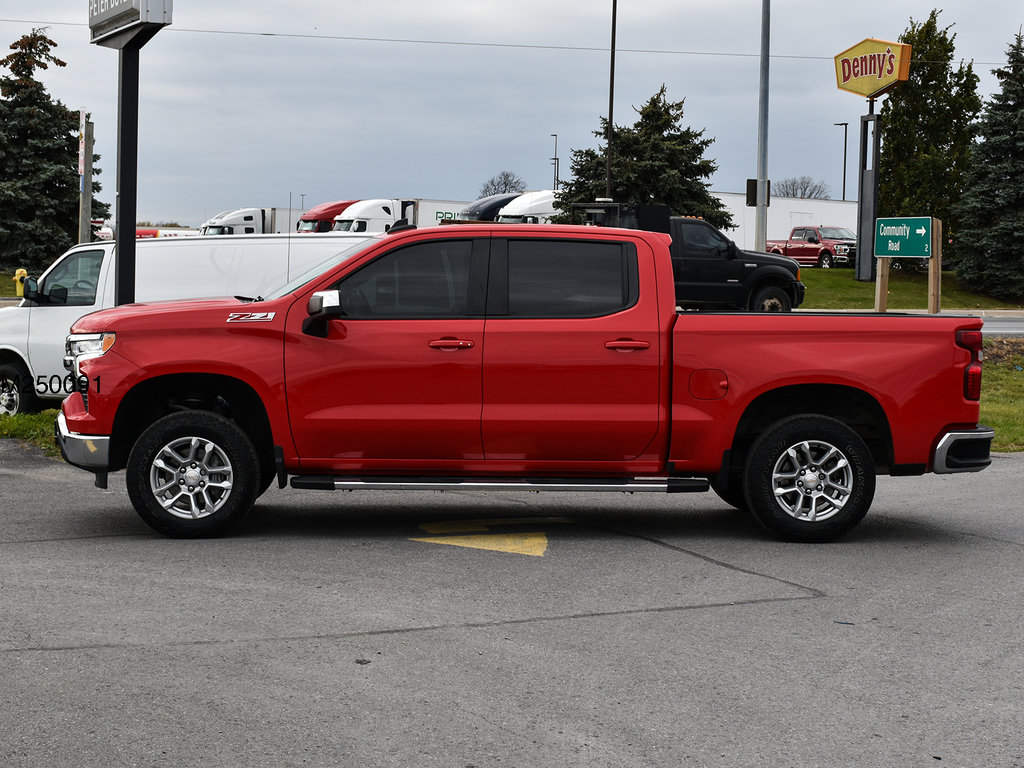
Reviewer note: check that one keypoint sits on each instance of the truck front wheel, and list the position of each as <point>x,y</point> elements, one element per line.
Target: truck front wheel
<point>193,474</point>
<point>825,261</point>
<point>771,299</point>
<point>809,478</point>
<point>16,393</point>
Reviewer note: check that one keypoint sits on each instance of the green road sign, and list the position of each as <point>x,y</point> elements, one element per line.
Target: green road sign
<point>908,237</point>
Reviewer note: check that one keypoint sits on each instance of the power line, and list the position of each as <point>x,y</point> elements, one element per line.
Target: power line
<point>465,43</point>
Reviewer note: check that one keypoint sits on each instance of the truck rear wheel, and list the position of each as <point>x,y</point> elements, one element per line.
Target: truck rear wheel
<point>16,392</point>
<point>193,474</point>
<point>809,478</point>
<point>771,299</point>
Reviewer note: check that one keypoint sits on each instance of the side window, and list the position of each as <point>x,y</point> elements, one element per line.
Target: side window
<point>798,234</point>
<point>704,242</point>
<point>425,280</point>
<point>79,274</point>
<point>566,278</point>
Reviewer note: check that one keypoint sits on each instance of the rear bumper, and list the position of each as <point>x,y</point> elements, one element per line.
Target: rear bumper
<point>91,452</point>
<point>963,450</point>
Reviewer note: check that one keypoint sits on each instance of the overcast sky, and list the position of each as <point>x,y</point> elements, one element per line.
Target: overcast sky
<point>244,104</point>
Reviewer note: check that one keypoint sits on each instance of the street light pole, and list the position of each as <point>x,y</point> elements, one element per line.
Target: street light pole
<point>554,162</point>
<point>611,103</point>
<point>846,127</point>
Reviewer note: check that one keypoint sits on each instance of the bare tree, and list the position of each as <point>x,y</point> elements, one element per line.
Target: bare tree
<point>506,181</point>
<point>803,186</point>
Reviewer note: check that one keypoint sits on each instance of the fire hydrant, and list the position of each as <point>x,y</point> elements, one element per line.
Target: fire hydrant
<point>19,282</point>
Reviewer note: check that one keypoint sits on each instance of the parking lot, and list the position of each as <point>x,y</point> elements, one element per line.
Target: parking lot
<point>395,629</point>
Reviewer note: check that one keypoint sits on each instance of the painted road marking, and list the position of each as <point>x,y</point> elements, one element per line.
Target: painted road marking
<point>475,536</point>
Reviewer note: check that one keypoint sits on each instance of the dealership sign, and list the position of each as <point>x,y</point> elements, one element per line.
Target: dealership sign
<point>872,67</point>
<point>113,23</point>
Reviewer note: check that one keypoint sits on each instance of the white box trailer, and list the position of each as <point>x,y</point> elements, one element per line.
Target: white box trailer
<point>32,333</point>
<point>379,215</point>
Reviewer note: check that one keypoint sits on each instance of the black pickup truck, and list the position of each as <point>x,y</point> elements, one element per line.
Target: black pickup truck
<point>711,271</point>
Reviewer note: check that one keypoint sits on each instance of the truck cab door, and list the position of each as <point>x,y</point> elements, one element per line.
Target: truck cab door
<point>395,376</point>
<point>572,354</point>
<point>72,287</point>
<point>708,268</point>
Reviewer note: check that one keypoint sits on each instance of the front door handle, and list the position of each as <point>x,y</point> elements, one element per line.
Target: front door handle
<point>450,345</point>
<point>626,345</point>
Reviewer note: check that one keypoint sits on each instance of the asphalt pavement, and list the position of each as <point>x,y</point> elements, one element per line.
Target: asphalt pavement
<point>404,629</point>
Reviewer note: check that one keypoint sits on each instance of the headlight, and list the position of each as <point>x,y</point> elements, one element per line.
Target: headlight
<point>85,346</point>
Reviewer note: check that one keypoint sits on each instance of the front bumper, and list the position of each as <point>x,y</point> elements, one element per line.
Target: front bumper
<point>91,452</point>
<point>963,450</point>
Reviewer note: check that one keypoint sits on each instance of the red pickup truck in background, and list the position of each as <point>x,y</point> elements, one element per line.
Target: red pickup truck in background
<point>515,358</point>
<point>818,246</point>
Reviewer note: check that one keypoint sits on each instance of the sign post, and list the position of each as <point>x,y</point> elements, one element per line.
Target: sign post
<point>870,68</point>
<point>127,25</point>
<point>909,237</point>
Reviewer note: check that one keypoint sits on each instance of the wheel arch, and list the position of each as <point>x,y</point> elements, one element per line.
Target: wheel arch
<point>854,407</point>
<point>161,395</point>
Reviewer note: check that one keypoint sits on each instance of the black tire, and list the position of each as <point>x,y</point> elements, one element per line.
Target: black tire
<point>17,394</point>
<point>791,454</point>
<point>193,474</point>
<point>825,261</point>
<point>772,299</point>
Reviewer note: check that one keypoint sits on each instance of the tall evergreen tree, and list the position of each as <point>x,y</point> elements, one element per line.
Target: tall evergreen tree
<point>39,183</point>
<point>656,161</point>
<point>992,208</point>
<point>927,130</point>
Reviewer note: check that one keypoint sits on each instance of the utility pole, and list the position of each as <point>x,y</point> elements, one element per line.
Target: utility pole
<point>85,143</point>
<point>611,103</point>
<point>761,211</point>
<point>846,127</point>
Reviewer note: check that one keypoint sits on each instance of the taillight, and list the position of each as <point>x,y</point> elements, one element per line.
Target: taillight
<point>971,341</point>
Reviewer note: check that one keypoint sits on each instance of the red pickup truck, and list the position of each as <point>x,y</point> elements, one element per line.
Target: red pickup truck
<point>818,246</point>
<point>517,358</point>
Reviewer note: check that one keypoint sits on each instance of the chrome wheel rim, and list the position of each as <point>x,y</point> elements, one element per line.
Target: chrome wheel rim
<point>191,477</point>
<point>812,481</point>
<point>8,397</point>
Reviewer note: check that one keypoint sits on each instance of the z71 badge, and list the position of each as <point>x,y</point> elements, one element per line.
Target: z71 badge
<point>251,317</point>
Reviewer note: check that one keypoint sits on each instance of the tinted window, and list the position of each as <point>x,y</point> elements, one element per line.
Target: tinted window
<point>424,280</point>
<point>704,241</point>
<point>565,278</point>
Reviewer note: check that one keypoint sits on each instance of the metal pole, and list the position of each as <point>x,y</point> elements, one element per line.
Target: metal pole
<point>611,102</point>
<point>554,162</point>
<point>761,211</point>
<point>85,194</point>
<point>127,172</point>
<point>846,127</point>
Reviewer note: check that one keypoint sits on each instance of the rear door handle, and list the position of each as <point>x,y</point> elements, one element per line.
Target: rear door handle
<point>450,345</point>
<point>625,345</point>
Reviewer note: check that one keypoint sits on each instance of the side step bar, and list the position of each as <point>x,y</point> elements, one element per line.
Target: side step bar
<point>622,485</point>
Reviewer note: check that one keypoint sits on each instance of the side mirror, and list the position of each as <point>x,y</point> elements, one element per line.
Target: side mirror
<point>812,239</point>
<point>322,307</point>
<point>31,288</point>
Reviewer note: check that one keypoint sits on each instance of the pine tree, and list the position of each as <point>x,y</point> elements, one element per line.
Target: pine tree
<point>927,130</point>
<point>656,161</point>
<point>39,182</point>
<point>992,211</point>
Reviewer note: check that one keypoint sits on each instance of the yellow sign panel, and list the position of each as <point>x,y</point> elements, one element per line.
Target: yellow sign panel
<point>872,67</point>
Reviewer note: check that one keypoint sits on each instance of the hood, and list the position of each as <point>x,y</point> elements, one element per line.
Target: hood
<point>187,312</point>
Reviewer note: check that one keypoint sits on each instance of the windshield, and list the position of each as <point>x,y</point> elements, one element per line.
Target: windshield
<point>316,270</point>
<point>217,231</point>
<point>308,226</point>
<point>511,219</point>
<point>837,233</point>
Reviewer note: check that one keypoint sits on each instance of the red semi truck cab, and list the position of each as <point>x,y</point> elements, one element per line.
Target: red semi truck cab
<point>511,358</point>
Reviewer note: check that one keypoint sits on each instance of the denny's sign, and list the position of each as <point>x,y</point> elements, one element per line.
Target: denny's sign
<point>872,67</point>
